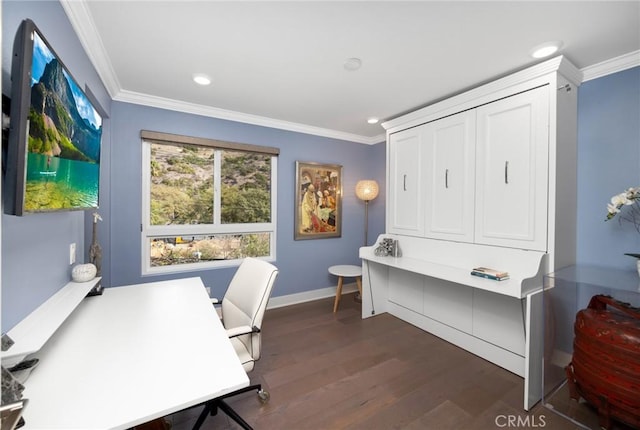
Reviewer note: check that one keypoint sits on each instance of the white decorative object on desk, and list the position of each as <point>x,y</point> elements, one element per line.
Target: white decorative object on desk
<point>386,247</point>
<point>83,272</point>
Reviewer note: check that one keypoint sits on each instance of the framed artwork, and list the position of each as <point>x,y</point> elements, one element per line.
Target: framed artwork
<point>318,202</point>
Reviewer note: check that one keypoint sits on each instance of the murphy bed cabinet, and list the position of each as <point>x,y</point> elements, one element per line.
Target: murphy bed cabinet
<point>449,176</point>
<point>406,208</point>
<point>485,178</point>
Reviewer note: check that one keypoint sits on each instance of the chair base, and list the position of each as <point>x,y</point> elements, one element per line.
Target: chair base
<point>211,408</point>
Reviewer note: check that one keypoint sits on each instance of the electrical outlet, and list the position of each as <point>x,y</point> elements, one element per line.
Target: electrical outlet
<point>72,253</point>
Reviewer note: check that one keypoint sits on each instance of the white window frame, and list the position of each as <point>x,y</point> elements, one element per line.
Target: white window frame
<point>149,232</point>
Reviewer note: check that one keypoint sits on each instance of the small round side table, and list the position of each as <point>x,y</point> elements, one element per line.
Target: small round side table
<point>345,271</point>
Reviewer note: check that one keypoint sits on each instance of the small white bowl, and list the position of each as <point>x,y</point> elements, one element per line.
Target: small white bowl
<point>83,272</point>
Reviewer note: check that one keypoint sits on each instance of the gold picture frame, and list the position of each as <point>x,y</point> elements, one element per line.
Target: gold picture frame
<point>318,205</point>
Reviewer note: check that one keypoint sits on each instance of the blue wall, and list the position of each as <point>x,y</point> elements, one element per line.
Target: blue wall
<point>303,264</point>
<point>35,248</point>
<point>608,164</point>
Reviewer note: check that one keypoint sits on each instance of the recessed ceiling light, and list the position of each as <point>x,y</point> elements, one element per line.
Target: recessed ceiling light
<point>352,64</point>
<point>201,79</point>
<point>546,49</point>
<point>373,120</point>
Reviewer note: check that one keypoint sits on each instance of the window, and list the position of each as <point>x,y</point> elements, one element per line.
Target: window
<point>205,202</point>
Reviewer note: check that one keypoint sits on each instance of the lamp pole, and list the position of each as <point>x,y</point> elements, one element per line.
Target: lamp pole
<point>366,221</point>
<point>366,190</point>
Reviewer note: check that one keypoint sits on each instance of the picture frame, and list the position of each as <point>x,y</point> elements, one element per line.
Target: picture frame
<point>318,204</point>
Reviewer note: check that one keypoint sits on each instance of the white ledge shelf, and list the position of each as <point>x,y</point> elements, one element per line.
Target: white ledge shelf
<point>34,331</point>
<point>435,258</point>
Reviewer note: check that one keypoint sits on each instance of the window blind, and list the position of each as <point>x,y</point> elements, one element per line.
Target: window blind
<point>168,138</point>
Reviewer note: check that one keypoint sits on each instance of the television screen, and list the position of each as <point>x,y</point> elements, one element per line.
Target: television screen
<point>55,133</point>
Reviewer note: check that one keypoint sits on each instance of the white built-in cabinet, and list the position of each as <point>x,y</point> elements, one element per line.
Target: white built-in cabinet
<point>406,208</point>
<point>512,156</point>
<point>495,318</point>
<point>411,291</point>
<point>485,178</point>
<point>449,172</point>
<point>477,176</point>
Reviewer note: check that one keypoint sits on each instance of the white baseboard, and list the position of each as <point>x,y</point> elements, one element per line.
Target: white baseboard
<point>308,296</point>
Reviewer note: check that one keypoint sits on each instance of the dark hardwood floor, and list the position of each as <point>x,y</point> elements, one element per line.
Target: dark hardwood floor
<point>337,371</point>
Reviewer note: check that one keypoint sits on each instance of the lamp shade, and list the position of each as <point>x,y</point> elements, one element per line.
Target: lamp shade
<point>367,189</point>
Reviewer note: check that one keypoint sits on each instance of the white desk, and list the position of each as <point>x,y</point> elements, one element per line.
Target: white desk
<point>131,355</point>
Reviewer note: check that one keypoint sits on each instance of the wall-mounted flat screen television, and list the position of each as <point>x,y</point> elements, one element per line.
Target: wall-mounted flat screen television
<point>53,154</point>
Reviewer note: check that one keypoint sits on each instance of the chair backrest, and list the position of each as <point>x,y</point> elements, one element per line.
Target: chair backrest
<point>246,299</point>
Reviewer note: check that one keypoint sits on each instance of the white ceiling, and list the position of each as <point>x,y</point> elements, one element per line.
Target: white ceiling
<point>281,63</point>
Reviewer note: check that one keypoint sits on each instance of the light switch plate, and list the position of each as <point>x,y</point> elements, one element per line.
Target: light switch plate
<point>72,253</point>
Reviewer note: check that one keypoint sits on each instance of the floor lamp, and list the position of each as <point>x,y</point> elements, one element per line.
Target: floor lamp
<point>366,190</point>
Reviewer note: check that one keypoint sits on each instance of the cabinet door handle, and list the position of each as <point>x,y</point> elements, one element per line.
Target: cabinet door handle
<point>506,172</point>
<point>404,182</point>
<point>446,178</point>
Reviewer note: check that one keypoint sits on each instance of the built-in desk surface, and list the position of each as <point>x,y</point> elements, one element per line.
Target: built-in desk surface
<point>131,355</point>
<point>453,261</point>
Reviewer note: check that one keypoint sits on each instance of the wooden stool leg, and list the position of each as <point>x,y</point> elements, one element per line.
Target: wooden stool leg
<point>338,294</point>
<point>359,283</point>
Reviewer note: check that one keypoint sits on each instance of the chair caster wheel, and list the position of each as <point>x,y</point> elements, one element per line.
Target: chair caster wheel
<point>264,396</point>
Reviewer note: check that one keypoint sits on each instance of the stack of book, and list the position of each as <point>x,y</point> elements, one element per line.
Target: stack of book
<point>485,272</point>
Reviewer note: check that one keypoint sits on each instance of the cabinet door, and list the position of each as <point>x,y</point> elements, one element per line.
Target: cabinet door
<point>449,172</point>
<point>406,289</point>
<point>499,320</point>
<point>405,212</point>
<point>511,171</point>
<point>449,303</point>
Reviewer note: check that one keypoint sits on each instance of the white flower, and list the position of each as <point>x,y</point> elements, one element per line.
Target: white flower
<point>620,199</point>
<point>613,208</point>
<point>630,197</point>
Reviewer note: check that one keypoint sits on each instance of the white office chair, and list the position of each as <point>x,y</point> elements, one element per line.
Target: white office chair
<point>242,310</point>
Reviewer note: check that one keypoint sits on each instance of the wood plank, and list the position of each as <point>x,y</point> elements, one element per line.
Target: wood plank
<point>337,371</point>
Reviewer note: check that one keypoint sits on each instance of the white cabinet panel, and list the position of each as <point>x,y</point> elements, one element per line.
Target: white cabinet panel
<point>512,170</point>
<point>499,320</point>
<point>477,176</point>
<point>448,303</point>
<point>449,172</point>
<point>405,211</point>
<point>406,289</point>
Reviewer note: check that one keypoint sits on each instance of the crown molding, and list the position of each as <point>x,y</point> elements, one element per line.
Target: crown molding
<point>196,109</point>
<point>613,65</point>
<point>85,29</point>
